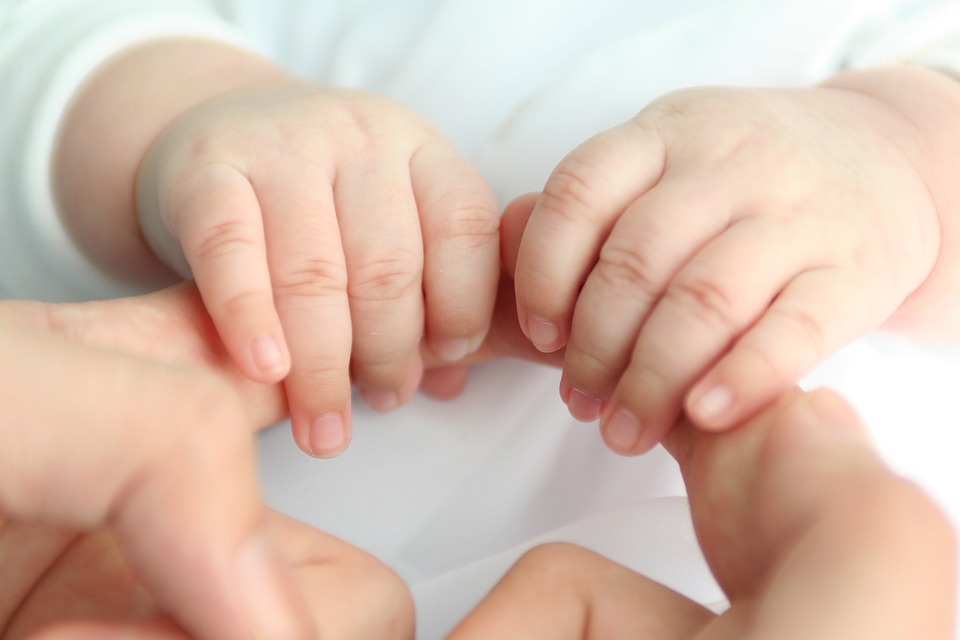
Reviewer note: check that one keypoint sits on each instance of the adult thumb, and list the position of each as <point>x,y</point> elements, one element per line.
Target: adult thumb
<point>165,457</point>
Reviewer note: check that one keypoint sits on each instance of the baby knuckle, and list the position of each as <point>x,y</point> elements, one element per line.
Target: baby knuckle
<point>386,276</point>
<point>571,192</point>
<point>473,221</point>
<point>796,327</point>
<point>311,277</point>
<point>628,270</point>
<point>326,374</point>
<point>708,300</point>
<point>240,302</point>
<point>801,327</point>
<point>222,239</point>
<point>589,361</point>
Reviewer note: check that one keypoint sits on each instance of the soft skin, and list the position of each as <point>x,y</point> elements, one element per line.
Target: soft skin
<point>329,231</point>
<point>708,253</point>
<point>129,504</point>
<point>139,514</point>
<point>807,531</point>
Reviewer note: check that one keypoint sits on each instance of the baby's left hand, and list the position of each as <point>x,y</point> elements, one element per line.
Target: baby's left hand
<point>711,251</point>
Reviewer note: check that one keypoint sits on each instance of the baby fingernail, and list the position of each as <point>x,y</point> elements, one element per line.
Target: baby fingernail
<point>327,435</point>
<point>381,400</point>
<point>267,355</point>
<point>544,335</point>
<point>622,431</point>
<point>713,405</point>
<point>452,350</point>
<point>456,349</point>
<point>583,407</point>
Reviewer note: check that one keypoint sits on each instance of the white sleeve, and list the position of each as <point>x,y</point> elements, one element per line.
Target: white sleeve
<point>47,49</point>
<point>924,32</point>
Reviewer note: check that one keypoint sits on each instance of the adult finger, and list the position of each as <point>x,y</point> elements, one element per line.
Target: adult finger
<point>143,630</point>
<point>215,214</point>
<point>383,246</point>
<point>460,224</point>
<point>838,522</point>
<point>180,489</point>
<point>309,275</point>
<point>579,204</point>
<point>169,326</point>
<point>351,594</point>
<point>808,514</point>
<point>564,592</point>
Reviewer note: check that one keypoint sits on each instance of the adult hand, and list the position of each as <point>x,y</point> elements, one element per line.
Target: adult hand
<point>128,501</point>
<point>173,326</point>
<point>807,531</point>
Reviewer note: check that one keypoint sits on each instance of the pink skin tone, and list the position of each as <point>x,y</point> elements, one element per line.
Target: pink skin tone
<point>705,255</point>
<point>139,513</point>
<point>74,547</point>
<point>89,554</point>
<point>138,510</point>
<point>329,231</point>
<point>807,531</point>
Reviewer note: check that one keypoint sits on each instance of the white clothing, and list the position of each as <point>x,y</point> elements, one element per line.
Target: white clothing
<point>450,493</point>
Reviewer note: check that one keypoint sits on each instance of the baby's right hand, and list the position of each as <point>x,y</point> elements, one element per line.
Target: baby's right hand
<point>328,232</point>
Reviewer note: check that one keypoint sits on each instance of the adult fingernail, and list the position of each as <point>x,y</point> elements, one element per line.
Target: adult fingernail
<point>544,335</point>
<point>382,400</point>
<point>327,435</point>
<point>271,605</point>
<point>622,430</point>
<point>267,355</point>
<point>583,407</point>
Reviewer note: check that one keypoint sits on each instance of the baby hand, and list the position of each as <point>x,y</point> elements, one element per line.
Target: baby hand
<point>708,253</point>
<point>328,232</point>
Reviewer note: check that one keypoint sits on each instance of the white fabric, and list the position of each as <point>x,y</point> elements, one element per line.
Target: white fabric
<point>450,493</point>
<point>40,69</point>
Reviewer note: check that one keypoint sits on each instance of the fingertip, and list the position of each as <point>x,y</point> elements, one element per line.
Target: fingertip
<point>380,400</point>
<point>582,405</point>
<point>329,435</point>
<point>624,433</point>
<point>544,334</point>
<point>710,406</point>
<point>270,358</point>
<point>444,383</point>
<point>323,436</point>
<point>453,350</point>
<point>389,390</point>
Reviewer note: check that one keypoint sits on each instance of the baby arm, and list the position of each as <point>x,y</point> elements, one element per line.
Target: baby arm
<point>328,230</point>
<point>708,253</point>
